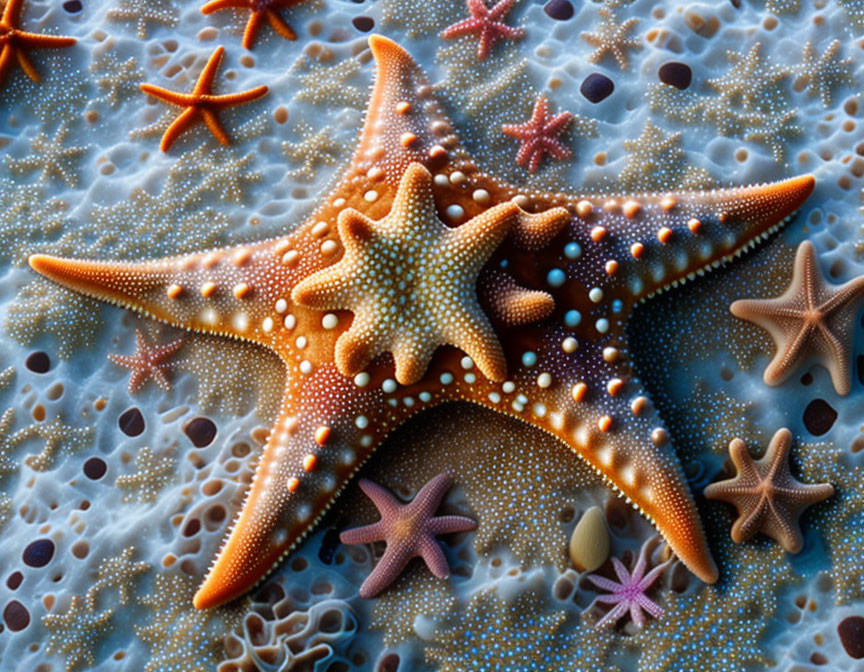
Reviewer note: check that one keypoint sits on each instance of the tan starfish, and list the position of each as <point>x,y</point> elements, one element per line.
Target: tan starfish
<point>14,42</point>
<point>768,498</point>
<point>259,11</point>
<point>811,320</point>
<point>147,362</point>
<point>201,104</point>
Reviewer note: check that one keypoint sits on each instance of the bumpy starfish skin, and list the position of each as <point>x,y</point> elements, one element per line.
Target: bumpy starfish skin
<point>259,10</point>
<point>201,104</point>
<point>409,530</point>
<point>811,321</point>
<point>14,42</point>
<point>539,135</point>
<point>569,375</point>
<point>147,362</point>
<point>487,24</point>
<point>768,498</point>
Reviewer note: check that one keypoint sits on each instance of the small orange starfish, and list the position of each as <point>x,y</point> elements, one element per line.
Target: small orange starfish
<point>147,362</point>
<point>14,42</point>
<point>260,10</point>
<point>201,102</point>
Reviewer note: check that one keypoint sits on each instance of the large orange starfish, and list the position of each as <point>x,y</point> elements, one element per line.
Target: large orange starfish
<point>259,11</point>
<point>587,261</point>
<point>201,104</point>
<point>14,42</point>
<point>811,321</point>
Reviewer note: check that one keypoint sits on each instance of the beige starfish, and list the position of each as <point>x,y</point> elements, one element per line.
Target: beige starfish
<point>768,497</point>
<point>811,320</point>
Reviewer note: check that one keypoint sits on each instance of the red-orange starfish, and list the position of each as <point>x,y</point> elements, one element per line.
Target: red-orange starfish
<point>260,10</point>
<point>486,23</point>
<point>14,42</point>
<point>201,103</point>
<point>147,362</point>
<point>539,135</point>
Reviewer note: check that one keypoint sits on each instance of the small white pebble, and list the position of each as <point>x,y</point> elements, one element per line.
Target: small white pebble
<point>329,321</point>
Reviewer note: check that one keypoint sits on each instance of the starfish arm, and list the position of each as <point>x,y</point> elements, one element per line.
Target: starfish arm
<point>179,126</point>
<point>661,240</point>
<point>464,27</point>
<point>636,613</point>
<point>650,606</point>
<point>278,24</point>
<point>204,85</point>
<point>219,5</point>
<point>363,535</point>
<point>241,291</point>
<point>449,524</point>
<point>605,584</point>
<point>613,615</point>
<point>12,12</point>
<point>41,41</point>
<point>389,567</point>
<point>253,26</point>
<point>215,127</point>
<point>382,498</point>
<point>27,65</point>
<point>621,571</point>
<point>751,519</point>
<point>7,53</point>
<point>510,303</point>
<point>430,550</point>
<point>233,99</point>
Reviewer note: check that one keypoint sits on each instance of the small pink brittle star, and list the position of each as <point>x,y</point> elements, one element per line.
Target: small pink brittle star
<point>409,530</point>
<point>629,595</point>
<point>148,362</point>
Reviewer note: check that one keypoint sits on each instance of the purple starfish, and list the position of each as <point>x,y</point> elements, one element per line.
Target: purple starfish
<point>629,595</point>
<point>409,530</point>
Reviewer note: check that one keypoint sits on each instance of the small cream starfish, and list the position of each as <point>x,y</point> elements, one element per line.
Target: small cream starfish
<point>768,497</point>
<point>811,320</point>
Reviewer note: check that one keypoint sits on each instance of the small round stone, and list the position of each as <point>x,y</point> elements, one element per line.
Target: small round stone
<point>38,553</point>
<point>363,23</point>
<point>16,616</point>
<point>572,318</point>
<point>73,6</point>
<point>14,580</point>
<point>589,543</point>
<point>529,359</point>
<point>819,417</point>
<point>201,431</point>
<point>560,10</point>
<point>95,468</point>
<point>851,632</point>
<point>572,250</point>
<point>596,87</point>
<point>676,74</point>
<point>38,362</point>
<point>131,422</point>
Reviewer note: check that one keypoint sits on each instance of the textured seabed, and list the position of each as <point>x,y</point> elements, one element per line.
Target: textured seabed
<point>127,496</point>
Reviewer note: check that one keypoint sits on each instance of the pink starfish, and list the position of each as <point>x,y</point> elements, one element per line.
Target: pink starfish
<point>539,135</point>
<point>147,362</point>
<point>629,595</point>
<point>409,530</point>
<point>485,22</point>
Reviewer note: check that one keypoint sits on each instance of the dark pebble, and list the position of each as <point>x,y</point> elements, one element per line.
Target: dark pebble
<point>201,431</point>
<point>191,528</point>
<point>131,422</point>
<point>16,616</point>
<point>389,663</point>
<point>851,631</point>
<point>73,6</point>
<point>596,87</point>
<point>677,74</point>
<point>38,553</point>
<point>559,9</point>
<point>819,417</point>
<point>14,580</point>
<point>38,362</point>
<point>95,468</point>
<point>807,379</point>
<point>363,23</point>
